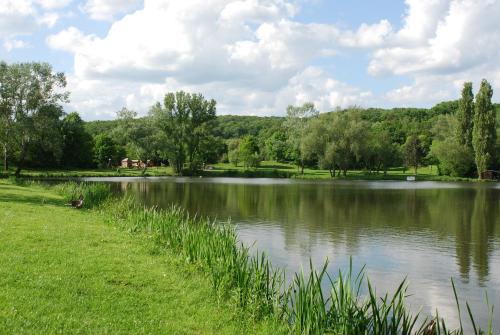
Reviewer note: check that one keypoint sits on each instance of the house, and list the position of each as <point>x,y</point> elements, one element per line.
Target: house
<point>126,163</point>
<point>136,163</point>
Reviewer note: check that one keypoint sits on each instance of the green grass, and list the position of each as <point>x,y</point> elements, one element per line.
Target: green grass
<point>115,172</point>
<point>267,169</point>
<point>69,271</point>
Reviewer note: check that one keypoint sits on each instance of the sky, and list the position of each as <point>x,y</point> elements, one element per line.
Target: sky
<point>256,57</point>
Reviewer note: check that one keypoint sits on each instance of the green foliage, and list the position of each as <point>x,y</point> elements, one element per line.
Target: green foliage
<point>105,151</point>
<point>414,152</point>
<point>248,152</point>
<point>31,98</point>
<point>233,147</point>
<point>94,194</point>
<point>296,126</point>
<point>484,132</point>
<point>77,143</point>
<point>185,122</point>
<point>464,116</point>
<point>454,158</point>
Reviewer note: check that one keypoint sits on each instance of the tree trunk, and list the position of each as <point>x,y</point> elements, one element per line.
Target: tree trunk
<point>5,163</point>
<point>22,157</point>
<point>416,167</point>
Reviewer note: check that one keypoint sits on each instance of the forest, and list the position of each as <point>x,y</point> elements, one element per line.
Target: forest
<point>460,137</point>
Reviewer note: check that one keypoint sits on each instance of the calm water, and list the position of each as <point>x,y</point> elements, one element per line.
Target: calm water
<point>429,232</point>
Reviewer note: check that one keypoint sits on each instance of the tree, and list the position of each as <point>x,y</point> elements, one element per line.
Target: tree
<point>296,123</point>
<point>31,94</point>
<point>185,121</point>
<point>249,152</point>
<point>77,143</point>
<point>484,132</point>
<point>233,151</point>
<point>6,114</point>
<point>276,145</point>
<point>454,158</point>
<point>383,151</point>
<point>104,151</point>
<point>413,152</point>
<point>464,116</point>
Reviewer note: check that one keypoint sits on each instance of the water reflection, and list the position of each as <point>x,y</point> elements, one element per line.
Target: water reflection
<point>429,232</point>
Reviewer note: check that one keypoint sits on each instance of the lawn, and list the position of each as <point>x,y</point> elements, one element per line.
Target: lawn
<point>69,271</point>
<point>269,169</point>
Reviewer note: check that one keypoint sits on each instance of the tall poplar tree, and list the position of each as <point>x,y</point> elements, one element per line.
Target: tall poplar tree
<point>464,116</point>
<point>484,132</point>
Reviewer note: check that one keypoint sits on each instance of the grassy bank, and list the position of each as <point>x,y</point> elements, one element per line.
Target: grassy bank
<point>267,169</point>
<point>70,271</point>
<point>311,303</point>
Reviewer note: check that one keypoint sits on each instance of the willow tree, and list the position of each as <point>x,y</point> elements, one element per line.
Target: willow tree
<point>296,125</point>
<point>484,132</point>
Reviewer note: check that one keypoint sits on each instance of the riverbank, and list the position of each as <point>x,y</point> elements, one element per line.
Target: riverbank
<point>168,263</point>
<point>70,271</point>
<point>267,169</point>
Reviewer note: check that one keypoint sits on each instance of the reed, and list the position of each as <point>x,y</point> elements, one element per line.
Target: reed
<point>312,303</point>
<point>94,194</point>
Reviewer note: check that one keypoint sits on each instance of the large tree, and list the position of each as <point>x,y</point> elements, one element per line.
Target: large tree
<point>31,95</point>
<point>484,132</point>
<point>185,121</point>
<point>296,125</point>
<point>464,116</point>
<point>413,152</point>
<point>77,142</point>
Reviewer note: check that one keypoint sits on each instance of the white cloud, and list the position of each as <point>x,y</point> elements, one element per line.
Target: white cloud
<point>21,17</point>
<point>248,55</point>
<point>254,57</point>
<point>70,39</point>
<point>106,10</point>
<point>367,36</point>
<point>53,4</point>
<point>11,44</point>
<point>442,44</point>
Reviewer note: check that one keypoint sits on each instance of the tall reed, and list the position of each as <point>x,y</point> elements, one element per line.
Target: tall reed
<point>94,194</point>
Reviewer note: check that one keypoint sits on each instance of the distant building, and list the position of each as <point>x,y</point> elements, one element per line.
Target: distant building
<point>491,175</point>
<point>126,163</point>
<point>136,163</point>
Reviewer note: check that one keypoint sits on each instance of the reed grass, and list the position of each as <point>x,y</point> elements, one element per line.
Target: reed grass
<point>94,194</point>
<point>261,290</point>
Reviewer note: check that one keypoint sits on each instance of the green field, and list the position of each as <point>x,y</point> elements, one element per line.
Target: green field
<point>267,169</point>
<point>69,271</point>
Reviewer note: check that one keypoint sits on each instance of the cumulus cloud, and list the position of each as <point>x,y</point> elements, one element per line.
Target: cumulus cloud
<point>442,44</point>
<point>11,44</point>
<point>21,17</point>
<point>70,39</point>
<point>255,57</point>
<point>250,55</point>
<point>106,10</point>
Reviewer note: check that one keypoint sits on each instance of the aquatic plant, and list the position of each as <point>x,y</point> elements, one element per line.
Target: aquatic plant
<point>94,194</point>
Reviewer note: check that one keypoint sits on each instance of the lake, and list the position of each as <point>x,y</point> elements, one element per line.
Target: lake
<point>428,232</point>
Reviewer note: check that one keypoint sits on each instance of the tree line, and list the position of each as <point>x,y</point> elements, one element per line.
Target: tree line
<point>183,131</point>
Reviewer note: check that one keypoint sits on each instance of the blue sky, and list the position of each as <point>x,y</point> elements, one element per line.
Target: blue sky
<point>255,57</point>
